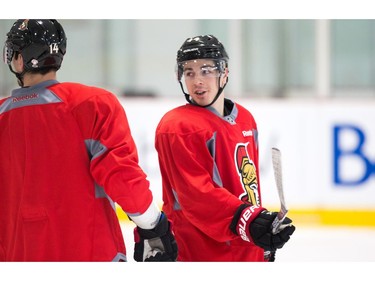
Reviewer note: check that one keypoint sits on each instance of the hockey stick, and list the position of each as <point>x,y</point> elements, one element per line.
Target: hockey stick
<point>277,168</point>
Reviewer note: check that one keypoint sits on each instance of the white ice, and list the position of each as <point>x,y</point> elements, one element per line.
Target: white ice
<point>311,244</point>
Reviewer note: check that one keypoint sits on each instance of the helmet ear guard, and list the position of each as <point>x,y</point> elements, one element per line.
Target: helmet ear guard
<point>179,71</point>
<point>8,53</point>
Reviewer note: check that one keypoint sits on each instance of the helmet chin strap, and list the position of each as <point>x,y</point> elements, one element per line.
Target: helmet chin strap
<point>187,96</point>
<point>18,75</point>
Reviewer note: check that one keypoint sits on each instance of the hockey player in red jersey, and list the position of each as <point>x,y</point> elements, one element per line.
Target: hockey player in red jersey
<point>67,156</point>
<point>208,156</point>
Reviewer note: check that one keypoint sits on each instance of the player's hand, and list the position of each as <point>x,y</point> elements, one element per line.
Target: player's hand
<point>261,231</point>
<point>157,244</point>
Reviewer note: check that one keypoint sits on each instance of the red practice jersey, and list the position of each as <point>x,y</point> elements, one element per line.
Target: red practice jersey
<point>209,167</point>
<point>67,156</point>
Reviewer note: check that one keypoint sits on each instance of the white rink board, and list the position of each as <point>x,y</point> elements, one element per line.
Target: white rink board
<point>303,131</point>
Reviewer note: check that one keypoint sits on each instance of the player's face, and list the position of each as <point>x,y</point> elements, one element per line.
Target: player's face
<point>201,79</point>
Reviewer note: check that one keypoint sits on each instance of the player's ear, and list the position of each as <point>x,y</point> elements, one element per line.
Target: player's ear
<point>225,76</point>
<point>17,62</point>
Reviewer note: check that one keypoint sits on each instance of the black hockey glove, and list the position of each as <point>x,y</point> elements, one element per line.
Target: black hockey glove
<point>157,244</point>
<point>254,224</point>
<point>261,231</point>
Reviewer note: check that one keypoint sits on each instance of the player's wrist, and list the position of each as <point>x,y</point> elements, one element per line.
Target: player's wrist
<point>244,215</point>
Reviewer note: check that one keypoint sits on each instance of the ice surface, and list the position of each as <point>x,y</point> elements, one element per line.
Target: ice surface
<point>311,244</point>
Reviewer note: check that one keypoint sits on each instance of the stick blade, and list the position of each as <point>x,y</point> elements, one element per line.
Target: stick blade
<point>277,168</point>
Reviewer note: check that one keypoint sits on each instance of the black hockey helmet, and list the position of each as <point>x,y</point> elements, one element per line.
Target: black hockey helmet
<point>201,47</point>
<point>41,42</point>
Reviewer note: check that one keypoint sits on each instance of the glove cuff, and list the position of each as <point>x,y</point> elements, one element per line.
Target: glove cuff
<point>245,214</point>
<point>160,229</point>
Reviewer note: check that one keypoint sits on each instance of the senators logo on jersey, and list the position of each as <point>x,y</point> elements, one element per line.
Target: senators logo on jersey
<point>247,172</point>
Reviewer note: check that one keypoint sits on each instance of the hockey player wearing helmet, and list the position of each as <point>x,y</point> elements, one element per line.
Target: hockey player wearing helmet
<point>68,156</point>
<point>208,156</point>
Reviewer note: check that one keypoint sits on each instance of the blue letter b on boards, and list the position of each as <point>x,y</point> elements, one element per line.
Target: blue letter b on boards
<point>355,152</point>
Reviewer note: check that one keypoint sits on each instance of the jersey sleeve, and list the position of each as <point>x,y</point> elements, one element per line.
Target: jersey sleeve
<point>113,153</point>
<point>187,166</point>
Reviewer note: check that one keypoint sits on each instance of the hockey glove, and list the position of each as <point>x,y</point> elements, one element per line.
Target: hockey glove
<point>254,224</point>
<point>261,231</point>
<point>157,244</point>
